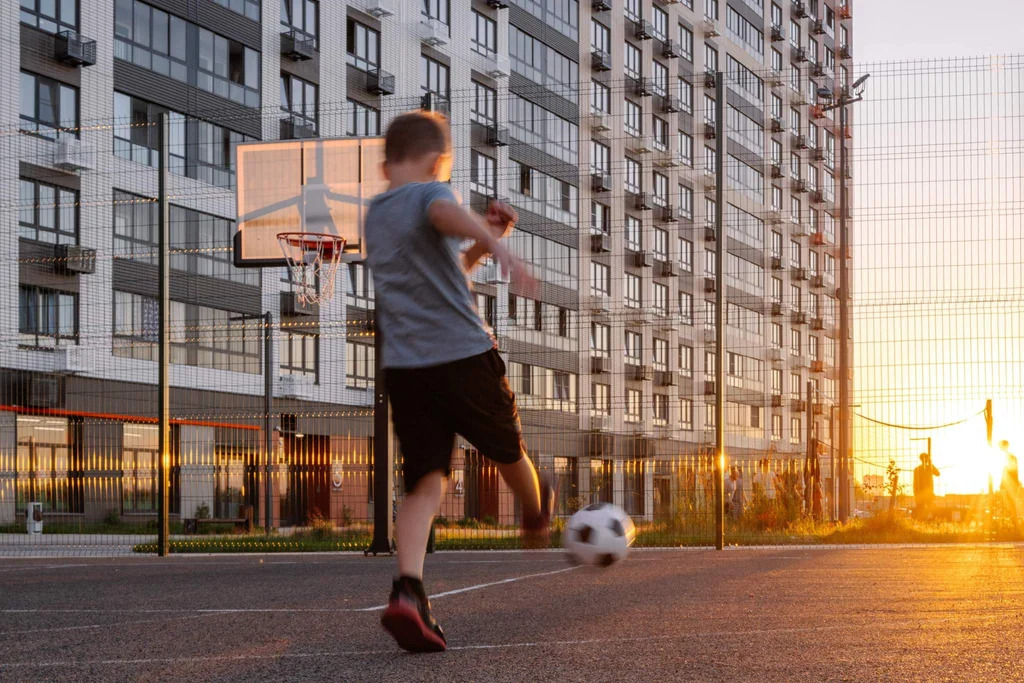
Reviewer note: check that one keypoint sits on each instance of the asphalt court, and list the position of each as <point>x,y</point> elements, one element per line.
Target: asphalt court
<point>743,614</point>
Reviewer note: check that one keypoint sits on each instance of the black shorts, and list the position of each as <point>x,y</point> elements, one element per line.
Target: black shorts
<point>471,397</point>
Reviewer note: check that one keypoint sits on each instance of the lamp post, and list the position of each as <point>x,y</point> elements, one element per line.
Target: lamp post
<point>843,295</point>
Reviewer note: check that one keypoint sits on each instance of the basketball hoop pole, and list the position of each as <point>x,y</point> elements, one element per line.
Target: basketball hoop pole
<point>383,472</point>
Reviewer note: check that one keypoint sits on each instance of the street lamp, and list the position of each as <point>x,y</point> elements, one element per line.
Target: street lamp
<point>841,103</point>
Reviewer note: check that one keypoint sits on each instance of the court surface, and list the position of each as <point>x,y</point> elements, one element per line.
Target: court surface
<point>742,614</point>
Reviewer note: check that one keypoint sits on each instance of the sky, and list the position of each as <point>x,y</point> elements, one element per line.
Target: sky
<point>939,257</point>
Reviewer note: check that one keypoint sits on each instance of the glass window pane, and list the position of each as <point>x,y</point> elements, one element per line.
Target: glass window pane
<point>28,95</point>
<point>141,31</point>
<point>47,211</point>
<point>160,31</point>
<point>69,109</point>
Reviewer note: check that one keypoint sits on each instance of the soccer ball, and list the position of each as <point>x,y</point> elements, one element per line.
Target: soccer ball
<point>599,534</point>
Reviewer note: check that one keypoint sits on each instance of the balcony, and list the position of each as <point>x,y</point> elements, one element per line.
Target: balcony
<point>601,182</point>
<point>600,60</point>
<point>671,104</point>
<point>599,122</point>
<point>643,259</point>
<point>298,46</point>
<point>74,49</point>
<point>380,82</point>
<point>667,268</point>
<point>671,50</point>
<point>433,32</point>
<point>380,9</point>
<point>643,30</point>
<point>641,87</point>
<point>600,243</point>
<point>666,214</point>
<point>497,136</point>
<point>777,36</point>
<point>640,373</point>
<point>599,365</point>
<point>641,203</point>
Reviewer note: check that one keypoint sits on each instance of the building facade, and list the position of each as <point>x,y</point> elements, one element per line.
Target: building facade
<point>595,119</point>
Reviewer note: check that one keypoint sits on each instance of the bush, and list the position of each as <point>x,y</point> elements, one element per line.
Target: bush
<point>112,518</point>
<point>489,521</point>
<point>203,511</point>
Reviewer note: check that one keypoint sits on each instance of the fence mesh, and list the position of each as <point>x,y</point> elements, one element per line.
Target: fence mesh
<point>613,367</point>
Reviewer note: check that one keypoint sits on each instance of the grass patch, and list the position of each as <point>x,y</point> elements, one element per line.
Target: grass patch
<point>119,528</point>
<point>298,543</point>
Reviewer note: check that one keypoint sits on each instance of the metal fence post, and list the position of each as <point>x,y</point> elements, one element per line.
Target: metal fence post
<point>164,351</point>
<point>719,310</point>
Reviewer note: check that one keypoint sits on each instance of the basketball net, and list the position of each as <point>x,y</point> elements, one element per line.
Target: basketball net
<point>313,259</point>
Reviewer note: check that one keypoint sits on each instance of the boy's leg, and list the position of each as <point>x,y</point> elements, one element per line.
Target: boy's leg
<point>412,528</point>
<point>521,477</point>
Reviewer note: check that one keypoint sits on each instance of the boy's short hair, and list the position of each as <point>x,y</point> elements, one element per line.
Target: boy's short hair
<point>415,134</point>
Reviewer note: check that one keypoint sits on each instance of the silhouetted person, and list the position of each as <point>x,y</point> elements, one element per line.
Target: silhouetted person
<point>737,492</point>
<point>924,487</point>
<point>1010,484</point>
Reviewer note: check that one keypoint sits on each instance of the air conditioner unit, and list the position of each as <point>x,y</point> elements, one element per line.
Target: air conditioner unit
<point>493,274</point>
<point>599,423</point>
<point>497,4</point>
<point>71,154</point>
<point>641,203</point>
<point>668,269</point>
<point>818,70</point>
<point>600,60</point>
<point>640,145</point>
<point>776,400</point>
<point>777,309</point>
<point>667,160</point>
<point>380,8</point>
<point>799,9</point>
<point>671,104</point>
<point>643,259</point>
<point>776,171</point>
<point>641,373</point>
<point>777,125</point>
<point>817,27</point>
<point>774,216</point>
<point>380,82</point>
<point>818,239</point>
<point>710,181</point>
<point>667,323</point>
<point>433,32</point>
<point>599,365</point>
<point>776,263</point>
<point>644,30</point>
<point>601,182</point>
<point>817,366</point>
<point>70,360</point>
<point>600,243</point>
<point>497,136</point>
<point>668,379</point>
<point>637,317</point>
<point>298,46</point>
<point>798,405</point>
<point>710,29</point>
<point>671,50</point>
<point>72,259</point>
<point>799,54</point>
<point>802,274</point>
<point>777,36</point>
<point>599,123</point>
<point>817,324</point>
<point>798,318</point>
<point>775,355</point>
<point>709,336</point>
<point>710,132</point>
<point>845,52</point>
<point>799,186</point>
<point>74,49</point>
<point>599,304</point>
<point>497,67</point>
<point>798,229</point>
<point>709,233</point>
<point>775,78</point>
<point>844,12</point>
<point>295,386</point>
<point>709,285</point>
<point>667,214</point>
<point>601,5</point>
<point>709,79</point>
<point>642,87</point>
<point>292,305</point>
<point>709,388</point>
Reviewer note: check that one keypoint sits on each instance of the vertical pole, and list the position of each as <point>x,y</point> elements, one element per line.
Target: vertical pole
<point>810,473</point>
<point>720,238</point>
<point>383,472</point>
<point>833,460</point>
<point>844,325</point>
<point>268,431</point>
<point>164,349</point>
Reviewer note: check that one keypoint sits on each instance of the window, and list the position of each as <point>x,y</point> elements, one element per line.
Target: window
<point>140,464</point>
<point>685,360</point>
<point>744,129</point>
<point>686,254</point>
<point>776,155</point>
<point>600,279</point>
<point>600,339</point>
<point>686,414</point>
<point>795,345</point>
<point>660,354</point>
<point>300,15</point>
<point>487,308</point>
<point>485,104</point>
<point>46,317</point>
<point>153,39</point>
<point>47,213</point>
<point>795,385</point>
<point>632,61</point>
<point>632,10</point>
<point>600,158</point>
<point>794,209</point>
<point>485,35</point>
<point>660,298</point>
<point>686,201</point>
<point>483,174</point>
<point>436,9</point>
<point>744,81</point>
<point>359,365</point>
<point>632,181</point>
<point>600,37</point>
<point>745,33</point>
<point>634,347</point>
<point>776,60</point>
<point>794,78</point>
<point>532,124</point>
<point>298,102</point>
<point>228,68</point>
<point>685,308</point>
<point>660,248</point>
<point>361,120</point>
<point>794,33</point>
<point>776,335</point>
<point>776,427</point>
<point>297,353</point>
<point>659,78</point>
<point>601,398</point>
<point>776,289</point>
<point>363,46</point>
<point>136,326</point>
<point>794,430</point>
<point>686,148</point>
<point>561,15</point>
<point>710,58</point>
<point>711,9</point>
<point>660,190</point>
<point>659,21</point>
<point>660,409</point>
<point>685,96</point>
<point>248,8</point>
<point>49,15</point>
<point>433,77</point>
<point>43,463</point>
<point>634,405</point>
<point>48,108</point>
<point>600,219</point>
<point>634,233</point>
<point>600,98</point>
<point>686,42</point>
<point>633,297</point>
<point>542,64</point>
<point>632,120</point>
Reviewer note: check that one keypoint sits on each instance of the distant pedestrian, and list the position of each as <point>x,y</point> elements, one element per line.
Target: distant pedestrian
<point>764,481</point>
<point>737,492</point>
<point>924,487</point>
<point>1009,487</point>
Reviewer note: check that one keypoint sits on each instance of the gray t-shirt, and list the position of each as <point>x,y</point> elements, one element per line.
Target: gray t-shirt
<point>424,304</point>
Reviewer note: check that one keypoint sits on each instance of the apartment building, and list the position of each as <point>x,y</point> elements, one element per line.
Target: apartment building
<point>594,118</point>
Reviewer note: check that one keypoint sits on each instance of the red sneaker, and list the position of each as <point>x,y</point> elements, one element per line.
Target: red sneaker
<point>408,619</point>
<point>537,531</point>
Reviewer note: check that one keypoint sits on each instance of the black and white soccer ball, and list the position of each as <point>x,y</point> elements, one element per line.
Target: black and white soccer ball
<point>599,535</point>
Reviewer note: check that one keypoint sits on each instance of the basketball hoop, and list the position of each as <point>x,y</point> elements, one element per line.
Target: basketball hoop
<point>313,259</point>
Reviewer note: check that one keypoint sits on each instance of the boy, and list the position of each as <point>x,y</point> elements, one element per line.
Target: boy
<point>444,375</point>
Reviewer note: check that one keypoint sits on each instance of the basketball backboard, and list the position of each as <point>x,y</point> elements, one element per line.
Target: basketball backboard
<point>320,186</point>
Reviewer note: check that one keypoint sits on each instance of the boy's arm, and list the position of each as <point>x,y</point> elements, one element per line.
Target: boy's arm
<point>450,219</point>
<point>499,220</point>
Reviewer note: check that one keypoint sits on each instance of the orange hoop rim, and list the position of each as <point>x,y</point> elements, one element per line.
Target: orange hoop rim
<point>321,242</point>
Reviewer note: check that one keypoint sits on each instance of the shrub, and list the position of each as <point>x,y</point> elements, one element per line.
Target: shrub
<point>112,518</point>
